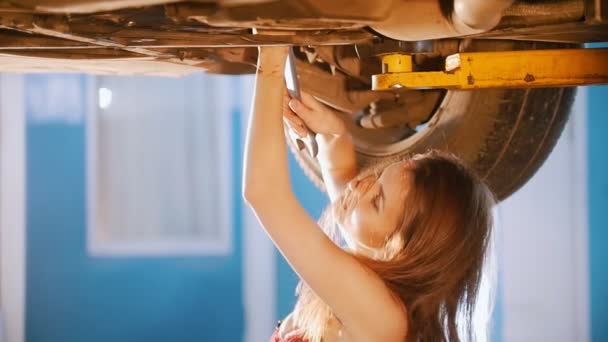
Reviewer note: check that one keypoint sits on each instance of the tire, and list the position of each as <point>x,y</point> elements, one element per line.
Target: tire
<point>504,135</point>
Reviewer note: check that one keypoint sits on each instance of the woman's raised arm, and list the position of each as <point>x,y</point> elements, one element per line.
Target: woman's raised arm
<point>265,167</point>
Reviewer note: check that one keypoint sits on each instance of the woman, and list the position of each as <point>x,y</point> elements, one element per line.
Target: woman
<point>416,230</point>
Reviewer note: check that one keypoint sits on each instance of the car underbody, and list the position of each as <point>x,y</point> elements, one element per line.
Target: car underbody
<point>177,37</point>
<point>339,46</point>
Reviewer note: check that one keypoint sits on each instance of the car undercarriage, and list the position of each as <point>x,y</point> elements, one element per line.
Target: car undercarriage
<point>504,134</point>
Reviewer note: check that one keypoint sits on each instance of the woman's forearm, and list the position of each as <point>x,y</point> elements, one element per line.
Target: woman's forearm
<point>265,166</point>
<point>338,161</point>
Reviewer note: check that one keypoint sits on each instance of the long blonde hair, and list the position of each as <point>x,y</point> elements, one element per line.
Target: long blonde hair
<point>433,261</point>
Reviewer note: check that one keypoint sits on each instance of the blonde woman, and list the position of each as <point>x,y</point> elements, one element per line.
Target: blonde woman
<point>415,232</point>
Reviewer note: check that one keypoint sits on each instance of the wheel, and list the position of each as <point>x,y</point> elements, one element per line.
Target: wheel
<point>504,135</point>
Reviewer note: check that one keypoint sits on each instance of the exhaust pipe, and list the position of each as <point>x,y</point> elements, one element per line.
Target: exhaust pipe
<point>412,20</point>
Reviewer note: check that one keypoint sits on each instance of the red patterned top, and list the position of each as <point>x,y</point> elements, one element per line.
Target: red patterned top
<point>275,338</point>
<point>293,338</point>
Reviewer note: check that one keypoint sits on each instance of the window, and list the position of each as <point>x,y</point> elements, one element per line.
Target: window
<point>158,165</point>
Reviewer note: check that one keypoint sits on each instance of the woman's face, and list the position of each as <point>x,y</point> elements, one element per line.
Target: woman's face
<point>374,204</point>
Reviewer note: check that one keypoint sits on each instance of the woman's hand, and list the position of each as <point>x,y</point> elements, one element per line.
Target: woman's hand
<point>336,156</point>
<point>311,113</point>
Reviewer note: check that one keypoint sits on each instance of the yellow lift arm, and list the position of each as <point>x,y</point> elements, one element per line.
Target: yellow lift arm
<point>499,69</point>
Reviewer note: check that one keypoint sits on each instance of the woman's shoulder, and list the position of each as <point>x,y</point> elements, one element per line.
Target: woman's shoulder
<point>288,331</point>
<point>394,324</point>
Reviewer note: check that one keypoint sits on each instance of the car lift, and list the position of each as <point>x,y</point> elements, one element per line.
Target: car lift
<point>498,69</point>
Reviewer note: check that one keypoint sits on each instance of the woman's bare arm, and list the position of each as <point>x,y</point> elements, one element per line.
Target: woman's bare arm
<point>356,295</point>
<point>336,157</point>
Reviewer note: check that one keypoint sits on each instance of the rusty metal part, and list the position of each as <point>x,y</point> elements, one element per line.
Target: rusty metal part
<point>124,66</point>
<point>384,46</point>
<point>504,69</point>
<point>411,109</point>
<point>544,12</point>
<point>227,60</point>
<point>84,6</point>
<point>556,24</point>
<point>343,58</point>
<point>335,89</point>
<point>573,32</point>
<point>391,109</point>
<point>134,38</point>
<point>287,14</point>
<point>361,61</point>
<point>137,38</point>
<point>55,27</point>
<point>27,41</point>
<point>382,117</point>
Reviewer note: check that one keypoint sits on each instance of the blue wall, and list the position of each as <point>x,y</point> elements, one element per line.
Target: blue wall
<point>598,204</point>
<point>72,297</point>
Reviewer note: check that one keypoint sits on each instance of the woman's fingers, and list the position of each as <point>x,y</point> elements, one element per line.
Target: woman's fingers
<point>286,99</point>
<point>313,115</point>
<point>301,109</point>
<point>310,101</point>
<point>295,123</point>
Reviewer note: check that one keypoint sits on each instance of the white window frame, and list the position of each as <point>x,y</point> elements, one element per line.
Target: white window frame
<point>222,246</point>
<point>13,249</point>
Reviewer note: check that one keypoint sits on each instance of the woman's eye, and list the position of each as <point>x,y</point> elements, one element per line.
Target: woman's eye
<point>376,201</point>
